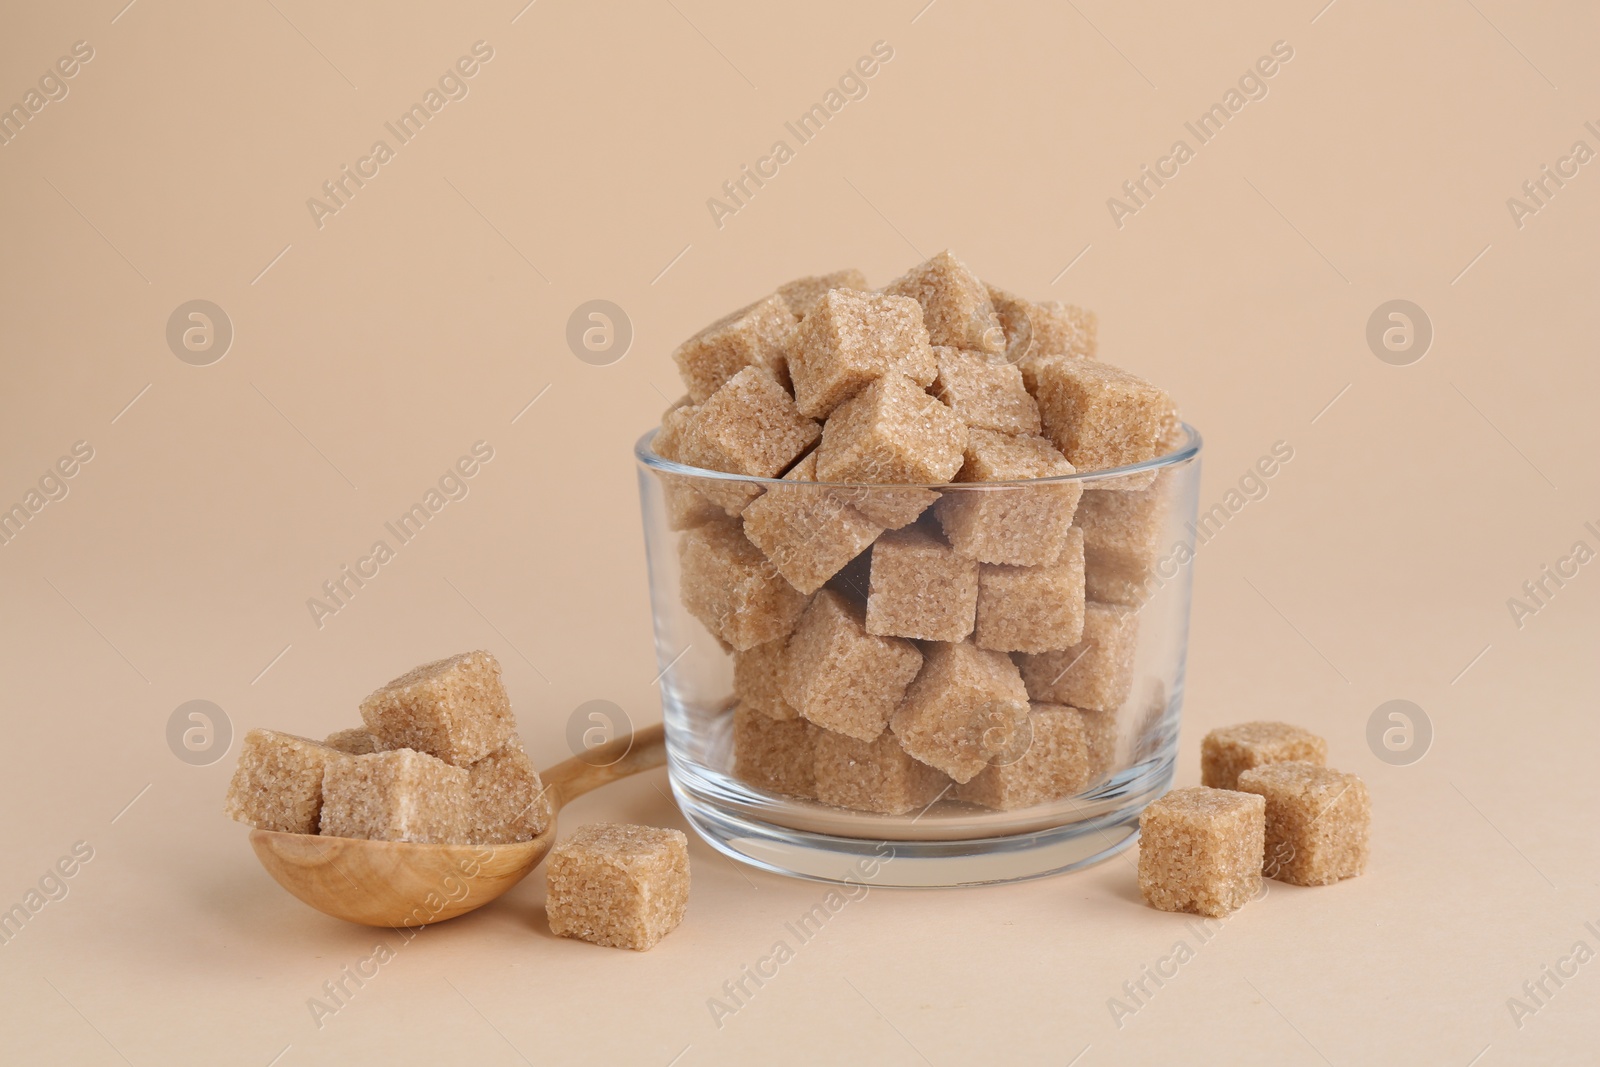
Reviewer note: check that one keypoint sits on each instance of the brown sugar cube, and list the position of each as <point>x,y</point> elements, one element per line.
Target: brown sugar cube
<point>1200,850</point>
<point>1229,751</point>
<point>804,294</point>
<point>754,336</point>
<point>1040,331</point>
<point>1032,609</point>
<point>1096,673</point>
<point>354,742</point>
<point>985,394</point>
<point>876,776</point>
<point>773,754</point>
<point>1100,730</point>
<point>1055,338</point>
<point>1016,321</point>
<point>889,508</point>
<point>849,340</point>
<point>1168,440</point>
<point>400,795</point>
<point>841,677</point>
<point>728,585</point>
<point>1098,416</point>
<point>685,504</point>
<point>891,432</point>
<point>955,304</point>
<point>506,799</point>
<point>1054,763</point>
<point>808,533</point>
<point>278,782</point>
<point>965,707</point>
<point>1318,822</point>
<point>919,587</point>
<point>618,885</point>
<point>850,337</point>
<point>1171,438</point>
<point>749,426</point>
<point>758,680</point>
<point>1064,329</point>
<point>1023,526</point>
<point>454,708</point>
<point>1122,539</point>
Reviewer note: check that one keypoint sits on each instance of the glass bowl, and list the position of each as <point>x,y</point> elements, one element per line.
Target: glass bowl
<point>1067,773</point>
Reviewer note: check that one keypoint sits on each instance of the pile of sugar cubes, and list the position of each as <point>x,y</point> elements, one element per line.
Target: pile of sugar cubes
<point>437,761</point>
<point>896,645</point>
<point>1268,806</point>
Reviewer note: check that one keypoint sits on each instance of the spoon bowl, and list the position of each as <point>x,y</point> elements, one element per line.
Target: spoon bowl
<point>405,883</point>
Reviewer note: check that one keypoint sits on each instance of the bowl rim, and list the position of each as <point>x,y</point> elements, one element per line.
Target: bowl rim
<point>1187,449</point>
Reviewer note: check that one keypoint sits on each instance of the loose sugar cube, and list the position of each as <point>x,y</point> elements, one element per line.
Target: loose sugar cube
<point>876,776</point>
<point>1200,850</point>
<point>749,426</point>
<point>758,680</point>
<point>851,339</point>
<point>278,782</point>
<point>1041,331</point>
<point>773,754</point>
<point>955,304</point>
<point>730,586</point>
<point>891,432</point>
<point>965,706</point>
<point>400,795</point>
<point>1229,751</point>
<point>1098,416</point>
<point>506,799</point>
<point>1097,672</point>
<point>804,294</point>
<point>1121,540</point>
<point>807,532</point>
<point>685,504</point>
<point>1054,763</point>
<point>985,394</point>
<point>1032,609</point>
<point>455,709</point>
<point>754,336</point>
<point>841,677</point>
<point>919,587</point>
<point>618,885</point>
<point>356,742</point>
<point>1318,821</point>
<point>1023,526</point>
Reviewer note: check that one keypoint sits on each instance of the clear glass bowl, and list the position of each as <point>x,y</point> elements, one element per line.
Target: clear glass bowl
<point>1139,543</point>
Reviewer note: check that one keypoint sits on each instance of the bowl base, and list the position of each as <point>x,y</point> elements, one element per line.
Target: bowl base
<point>922,864</point>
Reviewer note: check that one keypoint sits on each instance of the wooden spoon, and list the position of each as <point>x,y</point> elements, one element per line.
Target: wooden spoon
<point>402,883</point>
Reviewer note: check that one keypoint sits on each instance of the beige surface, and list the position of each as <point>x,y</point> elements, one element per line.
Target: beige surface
<point>379,348</point>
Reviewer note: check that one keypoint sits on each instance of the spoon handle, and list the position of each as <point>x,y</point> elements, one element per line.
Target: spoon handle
<point>617,758</point>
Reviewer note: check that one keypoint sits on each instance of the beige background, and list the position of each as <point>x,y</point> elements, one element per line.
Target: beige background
<point>432,309</point>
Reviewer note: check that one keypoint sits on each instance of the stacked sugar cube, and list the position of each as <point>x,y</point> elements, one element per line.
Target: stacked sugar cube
<point>892,643</point>
<point>1267,806</point>
<point>437,761</point>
